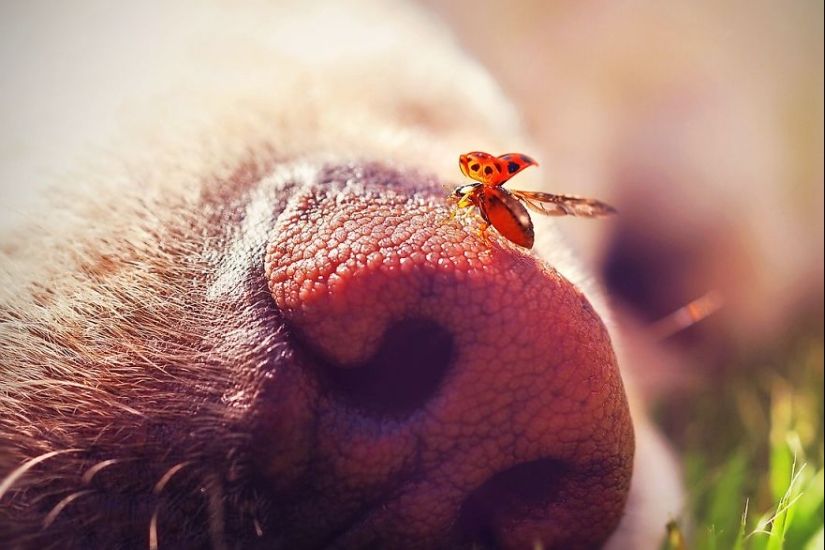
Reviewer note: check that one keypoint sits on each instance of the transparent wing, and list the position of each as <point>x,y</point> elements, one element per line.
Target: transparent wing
<point>563,205</point>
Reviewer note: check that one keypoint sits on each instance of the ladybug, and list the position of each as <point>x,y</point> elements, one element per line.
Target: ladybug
<point>507,209</point>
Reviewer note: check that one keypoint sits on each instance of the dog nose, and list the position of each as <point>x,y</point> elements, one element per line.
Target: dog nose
<point>465,393</point>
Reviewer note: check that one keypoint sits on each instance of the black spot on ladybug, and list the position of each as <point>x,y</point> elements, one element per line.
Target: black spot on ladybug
<point>512,167</point>
<point>488,170</point>
<point>527,159</point>
<point>474,167</point>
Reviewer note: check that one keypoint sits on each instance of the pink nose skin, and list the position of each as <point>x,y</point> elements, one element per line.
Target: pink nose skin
<point>458,393</point>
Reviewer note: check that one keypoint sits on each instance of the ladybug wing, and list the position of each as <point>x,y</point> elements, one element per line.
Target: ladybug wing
<point>484,168</point>
<point>563,205</point>
<point>513,163</point>
<point>508,216</point>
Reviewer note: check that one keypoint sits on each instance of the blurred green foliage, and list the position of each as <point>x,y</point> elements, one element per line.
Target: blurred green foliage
<point>753,451</point>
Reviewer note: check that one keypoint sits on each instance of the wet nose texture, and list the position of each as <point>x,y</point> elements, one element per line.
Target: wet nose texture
<point>464,395</point>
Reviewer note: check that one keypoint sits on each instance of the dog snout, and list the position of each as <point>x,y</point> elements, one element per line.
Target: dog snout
<point>461,392</point>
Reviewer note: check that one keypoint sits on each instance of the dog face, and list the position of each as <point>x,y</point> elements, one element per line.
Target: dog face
<point>254,324</point>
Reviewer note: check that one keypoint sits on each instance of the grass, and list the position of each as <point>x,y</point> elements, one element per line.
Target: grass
<point>753,448</point>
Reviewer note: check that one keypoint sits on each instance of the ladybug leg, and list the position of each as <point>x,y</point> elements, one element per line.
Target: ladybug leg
<point>459,204</point>
<point>455,212</point>
<point>467,212</point>
<point>482,232</point>
<point>465,202</point>
<point>461,209</point>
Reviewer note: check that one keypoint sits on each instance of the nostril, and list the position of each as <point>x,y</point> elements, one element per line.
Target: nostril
<point>632,274</point>
<point>410,361</point>
<point>522,491</point>
<point>651,275</point>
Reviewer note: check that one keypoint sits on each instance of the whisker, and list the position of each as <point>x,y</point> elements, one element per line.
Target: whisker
<point>153,529</point>
<point>91,472</point>
<point>12,478</point>
<point>161,484</point>
<point>51,516</point>
<point>686,316</point>
<point>216,512</point>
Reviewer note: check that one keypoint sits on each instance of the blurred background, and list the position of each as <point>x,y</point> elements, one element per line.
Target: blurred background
<point>702,122</point>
